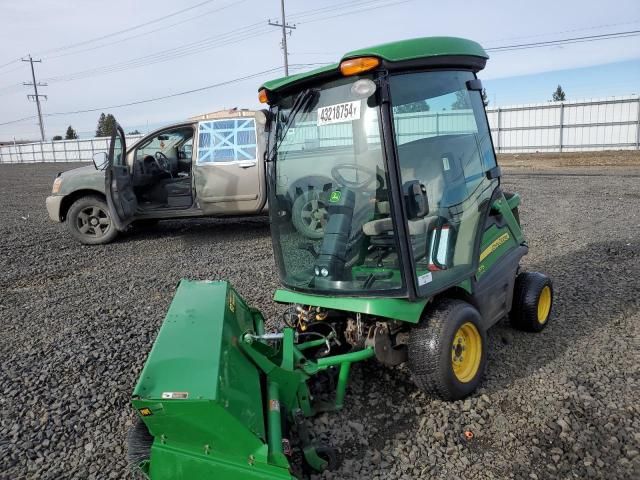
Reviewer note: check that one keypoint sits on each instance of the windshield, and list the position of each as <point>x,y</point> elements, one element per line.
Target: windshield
<point>329,202</point>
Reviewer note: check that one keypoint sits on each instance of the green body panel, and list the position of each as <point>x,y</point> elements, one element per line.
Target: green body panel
<point>197,355</point>
<point>411,49</point>
<point>498,240</point>
<point>169,463</point>
<point>395,308</point>
<point>196,352</point>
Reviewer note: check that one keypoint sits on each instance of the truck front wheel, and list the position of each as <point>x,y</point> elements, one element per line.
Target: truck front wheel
<point>89,221</point>
<point>309,214</point>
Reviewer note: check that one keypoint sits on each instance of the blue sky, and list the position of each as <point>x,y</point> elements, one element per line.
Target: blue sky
<point>231,39</point>
<point>611,79</point>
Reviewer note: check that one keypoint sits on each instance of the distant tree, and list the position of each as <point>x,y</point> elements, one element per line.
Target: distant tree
<point>100,127</point>
<point>134,132</point>
<point>421,106</point>
<point>71,134</point>
<point>57,137</point>
<point>109,125</point>
<point>106,125</point>
<point>462,101</point>
<point>558,95</point>
<point>485,97</point>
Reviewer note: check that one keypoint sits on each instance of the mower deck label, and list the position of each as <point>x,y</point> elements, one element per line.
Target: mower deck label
<point>341,112</point>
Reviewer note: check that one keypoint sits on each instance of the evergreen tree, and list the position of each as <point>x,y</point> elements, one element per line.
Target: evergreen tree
<point>109,125</point>
<point>57,137</point>
<point>462,101</point>
<point>558,95</point>
<point>100,127</point>
<point>106,125</point>
<point>421,106</point>
<point>134,132</point>
<point>71,133</point>
<point>485,97</point>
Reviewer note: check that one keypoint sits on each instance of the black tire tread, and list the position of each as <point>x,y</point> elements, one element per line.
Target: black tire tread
<point>524,308</point>
<point>426,343</point>
<point>77,205</point>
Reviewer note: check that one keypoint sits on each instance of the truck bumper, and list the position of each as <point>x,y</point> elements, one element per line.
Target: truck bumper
<point>53,207</point>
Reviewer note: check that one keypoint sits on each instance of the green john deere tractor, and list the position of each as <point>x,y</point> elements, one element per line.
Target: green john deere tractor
<point>393,241</point>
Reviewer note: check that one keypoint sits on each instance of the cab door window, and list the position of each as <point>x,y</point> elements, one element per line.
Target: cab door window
<point>444,151</point>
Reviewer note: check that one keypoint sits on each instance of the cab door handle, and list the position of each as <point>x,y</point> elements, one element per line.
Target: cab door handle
<point>247,164</point>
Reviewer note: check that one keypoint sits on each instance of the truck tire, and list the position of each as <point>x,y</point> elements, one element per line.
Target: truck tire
<point>309,214</point>
<point>89,221</point>
<point>532,302</point>
<point>447,350</point>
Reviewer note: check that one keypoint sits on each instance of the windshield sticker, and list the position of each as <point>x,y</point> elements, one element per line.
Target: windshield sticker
<point>335,196</point>
<point>341,112</point>
<point>424,279</point>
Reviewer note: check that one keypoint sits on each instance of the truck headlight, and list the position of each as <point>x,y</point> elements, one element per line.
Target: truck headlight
<point>57,183</point>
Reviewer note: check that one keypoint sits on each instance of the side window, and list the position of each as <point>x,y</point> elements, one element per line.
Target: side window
<point>118,157</point>
<point>167,142</point>
<point>228,140</point>
<point>443,146</point>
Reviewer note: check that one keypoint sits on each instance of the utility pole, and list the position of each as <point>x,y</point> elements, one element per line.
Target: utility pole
<point>284,27</point>
<point>36,96</point>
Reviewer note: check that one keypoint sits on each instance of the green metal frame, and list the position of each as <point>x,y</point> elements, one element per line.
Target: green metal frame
<point>201,396</point>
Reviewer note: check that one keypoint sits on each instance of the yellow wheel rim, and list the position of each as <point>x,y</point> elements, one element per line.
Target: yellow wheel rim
<point>466,352</point>
<point>544,305</point>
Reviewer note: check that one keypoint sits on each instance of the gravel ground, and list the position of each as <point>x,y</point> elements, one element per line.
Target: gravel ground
<point>77,322</point>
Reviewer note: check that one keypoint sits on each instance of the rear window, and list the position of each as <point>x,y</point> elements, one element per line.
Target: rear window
<point>228,140</point>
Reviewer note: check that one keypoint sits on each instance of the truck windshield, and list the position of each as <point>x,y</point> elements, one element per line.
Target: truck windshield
<point>328,192</point>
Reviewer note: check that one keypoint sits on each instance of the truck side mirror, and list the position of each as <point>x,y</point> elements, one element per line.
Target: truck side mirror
<point>415,198</point>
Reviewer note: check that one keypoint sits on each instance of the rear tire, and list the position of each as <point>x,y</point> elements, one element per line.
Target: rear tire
<point>532,302</point>
<point>89,221</point>
<point>447,350</point>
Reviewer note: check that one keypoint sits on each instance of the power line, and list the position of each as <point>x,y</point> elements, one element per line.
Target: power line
<point>128,29</point>
<point>588,38</point>
<point>142,34</point>
<point>164,97</point>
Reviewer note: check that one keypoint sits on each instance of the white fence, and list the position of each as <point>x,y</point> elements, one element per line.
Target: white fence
<point>81,150</point>
<point>608,124</point>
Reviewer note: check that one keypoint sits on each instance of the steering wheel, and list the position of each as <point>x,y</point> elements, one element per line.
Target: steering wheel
<point>162,162</point>
<point>356,185</point>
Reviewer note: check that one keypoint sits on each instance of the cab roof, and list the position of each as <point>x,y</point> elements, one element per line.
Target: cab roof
<point>415,49</point>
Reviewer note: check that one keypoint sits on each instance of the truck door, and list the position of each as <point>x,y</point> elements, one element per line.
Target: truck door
<point>121,198</point>
<point>228,175</point>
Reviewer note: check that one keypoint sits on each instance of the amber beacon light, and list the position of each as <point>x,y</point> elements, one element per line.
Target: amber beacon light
<point>354,66</point>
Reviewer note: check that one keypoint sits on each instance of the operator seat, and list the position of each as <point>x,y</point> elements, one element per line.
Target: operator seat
<point>420,224</point>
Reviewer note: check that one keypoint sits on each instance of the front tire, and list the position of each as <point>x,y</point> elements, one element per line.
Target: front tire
<point>447,351</point>
<point>532,302</point>
<point>89,221</point>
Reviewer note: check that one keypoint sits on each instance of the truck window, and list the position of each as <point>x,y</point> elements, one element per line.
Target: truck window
<point>228,140</point>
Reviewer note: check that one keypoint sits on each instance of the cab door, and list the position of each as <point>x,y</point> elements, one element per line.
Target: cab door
<point>227,173</point>
<point>121,198</point>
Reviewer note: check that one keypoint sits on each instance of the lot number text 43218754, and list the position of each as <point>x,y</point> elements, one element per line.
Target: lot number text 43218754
<point>341,112</point>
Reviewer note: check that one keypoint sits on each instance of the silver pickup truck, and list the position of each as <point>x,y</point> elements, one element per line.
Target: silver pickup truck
<point>211,167</point>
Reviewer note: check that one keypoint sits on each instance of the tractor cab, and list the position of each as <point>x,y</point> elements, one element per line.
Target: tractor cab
<point>394,242</point>
<point>381,171</point>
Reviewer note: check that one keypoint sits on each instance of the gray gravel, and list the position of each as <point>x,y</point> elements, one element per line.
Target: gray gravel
<point>77,322</point>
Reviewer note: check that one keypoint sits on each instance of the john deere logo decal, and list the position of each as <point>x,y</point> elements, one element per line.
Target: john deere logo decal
<point>335,196</point>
